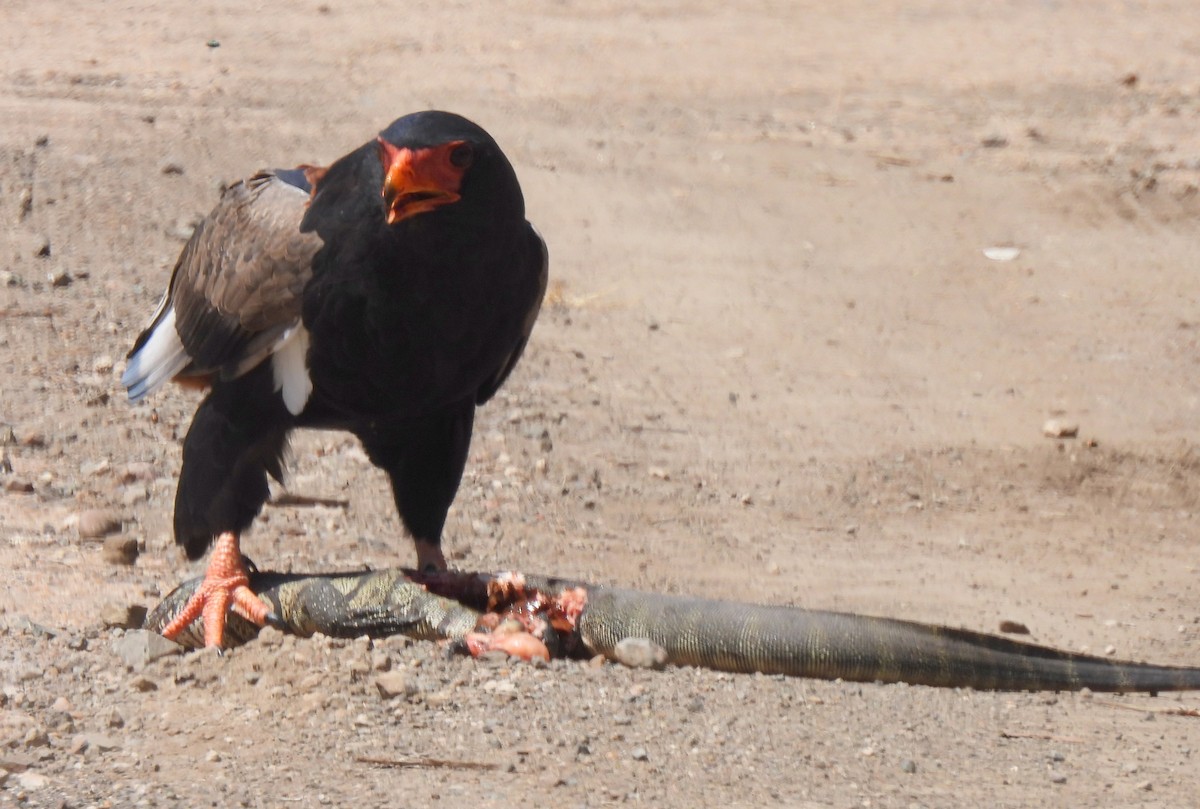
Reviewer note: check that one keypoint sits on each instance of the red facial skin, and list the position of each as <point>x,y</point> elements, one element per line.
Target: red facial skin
<point>419,180</point>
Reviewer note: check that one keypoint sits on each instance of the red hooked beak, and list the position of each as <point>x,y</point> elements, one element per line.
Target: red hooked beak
<point>419,180</point>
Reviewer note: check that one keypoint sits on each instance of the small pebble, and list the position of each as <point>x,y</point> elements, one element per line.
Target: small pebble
<point>1058,428</point>
<point>23,624</point>
<point>908,765</point>
<point>95,523</point>
<point>101,742</point>
<point>36,737</point>
<point>34,441</point>
<point>124,616</point>
<point>138,647</point>
<point>639,754</point>
<point>32,781</point>
<point>99,467</point>
<point>12,761</point>
<point>1057,777</point>
<point>500,687</point>
<point>120,550</point>
<point>1014,628</point>
<point>112,718</point>
<point>182,230</point>
<point>143,684</point>
<point>133,494</point>
<point>391,684</point>
<point>138,470</point>
<point>1001,253</point>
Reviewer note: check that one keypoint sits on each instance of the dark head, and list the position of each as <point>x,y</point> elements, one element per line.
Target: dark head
<point>441,161</point>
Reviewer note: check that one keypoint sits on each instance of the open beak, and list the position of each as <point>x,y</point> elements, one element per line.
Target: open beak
<point>418,180</point>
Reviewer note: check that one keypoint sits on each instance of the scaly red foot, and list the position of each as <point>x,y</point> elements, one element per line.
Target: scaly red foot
<point>226,586</point>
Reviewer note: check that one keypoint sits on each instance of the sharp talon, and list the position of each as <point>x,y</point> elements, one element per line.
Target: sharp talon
<point>275,620</point>
<point>225,587</point>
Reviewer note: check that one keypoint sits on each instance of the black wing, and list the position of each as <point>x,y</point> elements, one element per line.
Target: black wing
<point>539,260</point>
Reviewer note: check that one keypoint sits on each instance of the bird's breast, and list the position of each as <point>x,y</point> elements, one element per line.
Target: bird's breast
<point>405,349</point>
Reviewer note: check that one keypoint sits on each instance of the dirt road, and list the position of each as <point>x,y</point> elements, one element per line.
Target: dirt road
<point>777,364</point>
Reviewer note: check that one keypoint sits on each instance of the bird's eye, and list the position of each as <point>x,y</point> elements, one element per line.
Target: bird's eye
<point>462,155</point>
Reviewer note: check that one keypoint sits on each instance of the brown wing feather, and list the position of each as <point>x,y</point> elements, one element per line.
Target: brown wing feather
<point>237,286</point>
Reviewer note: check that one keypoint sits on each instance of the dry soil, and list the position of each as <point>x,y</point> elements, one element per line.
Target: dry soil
<point>777,363</point>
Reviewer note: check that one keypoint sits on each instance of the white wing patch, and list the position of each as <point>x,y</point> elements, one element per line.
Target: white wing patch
<point>160,358</point>
<point>289,366</point>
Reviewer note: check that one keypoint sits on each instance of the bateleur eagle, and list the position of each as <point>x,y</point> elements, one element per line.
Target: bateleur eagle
<point>388,295</point>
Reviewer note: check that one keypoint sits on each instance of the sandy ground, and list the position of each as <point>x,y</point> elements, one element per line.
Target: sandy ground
<point>777,365</point>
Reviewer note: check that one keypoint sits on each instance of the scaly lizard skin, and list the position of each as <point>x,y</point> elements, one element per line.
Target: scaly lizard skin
<point>583,620</point>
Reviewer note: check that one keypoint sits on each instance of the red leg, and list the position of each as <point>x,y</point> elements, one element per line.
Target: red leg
<point>226,585</point>
<point>429,556</point>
